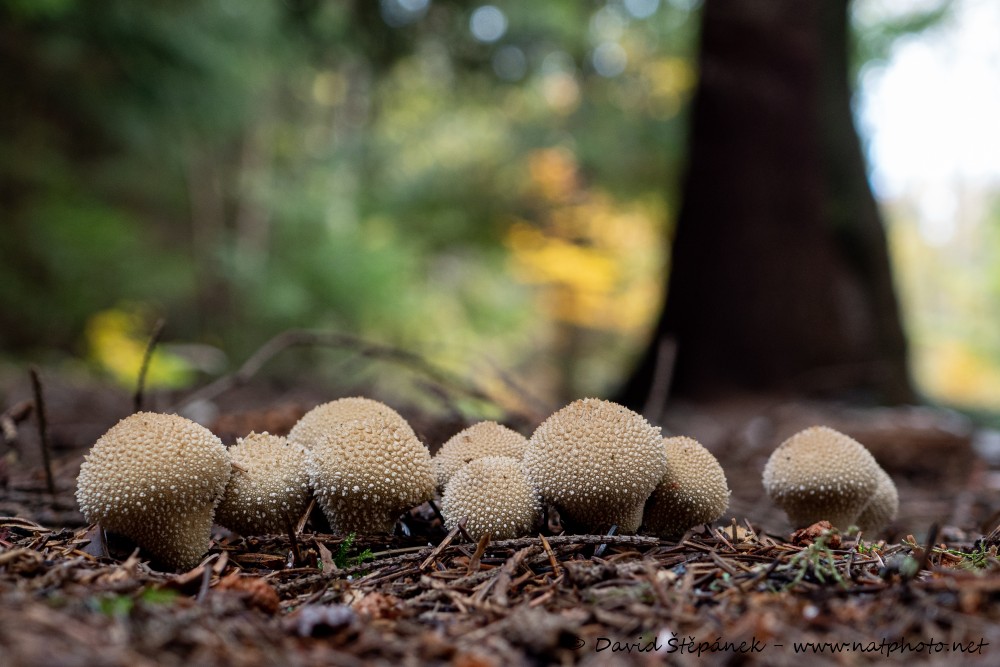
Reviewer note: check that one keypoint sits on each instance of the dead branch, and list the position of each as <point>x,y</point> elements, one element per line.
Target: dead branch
<point>147,357</point>
<point>43,429</point>
<point>302,337</point>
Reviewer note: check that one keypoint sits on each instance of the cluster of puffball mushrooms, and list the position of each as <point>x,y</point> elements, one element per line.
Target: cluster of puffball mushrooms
<point>163,480</point>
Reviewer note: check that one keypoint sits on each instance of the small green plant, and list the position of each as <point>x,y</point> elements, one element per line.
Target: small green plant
<point>119,606</point>
<point>342,560</point>
<point>363,556</point>
<point>158,596</point>
<point>116,606</point>
<point>817,560</point>
<point>979,558</point>
<point>870,549</point>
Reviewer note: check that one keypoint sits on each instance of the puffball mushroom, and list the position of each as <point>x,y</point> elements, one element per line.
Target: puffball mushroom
<point>494,495</point>
<point>483,439</point>
<point>156,479</point>
<point>882,507</point>
<point>692,491</point>
<point>319,421</point>
<point>597,462</point>
<point>367,472</point>
<point>820,473</point>
<point>269,483</point>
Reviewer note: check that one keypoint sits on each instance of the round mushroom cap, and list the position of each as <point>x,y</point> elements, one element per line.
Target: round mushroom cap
<point>479,440</point>
<point>596,461</point>
<point>322,419</point>
<point>156,479</point>
<point>883,506</point>
<point>820,473</point>
<point>269,485</point>
<point>494,495</point>
<point>368,472</point>
<point>693,490</point>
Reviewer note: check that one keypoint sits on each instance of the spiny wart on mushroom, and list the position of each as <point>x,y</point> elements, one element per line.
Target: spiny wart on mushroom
<point>366,473</point>
<point>693,490</point>
<point>495,496</point>
<point>156,479</point>
<point>269,485</point>
<point>597,462</point>
<point>483,439</point>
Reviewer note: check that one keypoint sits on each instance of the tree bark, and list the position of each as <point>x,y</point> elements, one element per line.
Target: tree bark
<point>780,278</point>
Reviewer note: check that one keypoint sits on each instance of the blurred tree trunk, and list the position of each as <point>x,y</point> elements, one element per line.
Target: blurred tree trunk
<point>780,277</point>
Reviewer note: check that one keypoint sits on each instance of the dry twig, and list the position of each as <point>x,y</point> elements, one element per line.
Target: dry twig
<point>43,429</point>
<point>147,357</point>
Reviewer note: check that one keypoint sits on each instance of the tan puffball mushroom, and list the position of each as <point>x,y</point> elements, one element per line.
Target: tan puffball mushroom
<point>597,462</point>
<point>322,419</point>
<point>156,479</point>
<point>819,474</point>
<point>882,507</point>
<point>494,494</point>
<point>269,483</point>
<point>475,442</point>
<point>693,490</point>
<point>366,473</point>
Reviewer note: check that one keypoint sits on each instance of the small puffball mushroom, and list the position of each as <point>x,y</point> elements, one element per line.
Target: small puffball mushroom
<point>368,472</point>
<point>156,479</point>
<point>819,474</point>
<point>882,507</point>
<point>597,462</point>
<point>494,494</point>
<point>322,419</point>
<point>269,483</point>
<point>693,490</point>
<point>475,442</point>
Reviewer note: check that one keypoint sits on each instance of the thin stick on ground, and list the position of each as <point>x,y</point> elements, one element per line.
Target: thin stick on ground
<point>147,357</point>
<point>43,429</point>
<point>441,547</point>
<point>553,561</point>
<point>461,524</point>
<point>290,527</point>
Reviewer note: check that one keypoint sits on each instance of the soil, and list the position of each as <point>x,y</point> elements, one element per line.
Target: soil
<point>744,590</point>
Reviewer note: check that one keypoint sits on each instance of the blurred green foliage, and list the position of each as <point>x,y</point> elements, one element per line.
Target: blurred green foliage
<point>244,168</point>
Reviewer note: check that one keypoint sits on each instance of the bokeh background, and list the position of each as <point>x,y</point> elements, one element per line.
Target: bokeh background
<point>493,187</point>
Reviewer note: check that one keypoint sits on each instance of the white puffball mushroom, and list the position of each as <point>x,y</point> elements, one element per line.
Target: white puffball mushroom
<point>322,419</point>
<point>820,473</point>
<point>692,491</point>
<point>156,479</point>
<point>366,473</point>
<point>269,485</point>
<point>494,495</point>
<point>883,506</point>
<point>483,439</point>
<point>597,462</point>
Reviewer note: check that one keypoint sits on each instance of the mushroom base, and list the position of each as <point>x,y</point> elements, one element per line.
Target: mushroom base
<point>175,542</point>
<point>670,515</point>
<point>804,520</point>
<point>597,522</point>
<point>345,517</point>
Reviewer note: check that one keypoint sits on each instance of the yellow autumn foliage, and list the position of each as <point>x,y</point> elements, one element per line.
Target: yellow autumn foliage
<point>116,341</point>
<point>596,263</point>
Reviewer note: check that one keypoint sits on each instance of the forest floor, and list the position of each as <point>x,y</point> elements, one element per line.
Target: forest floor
<point>745,590</point>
